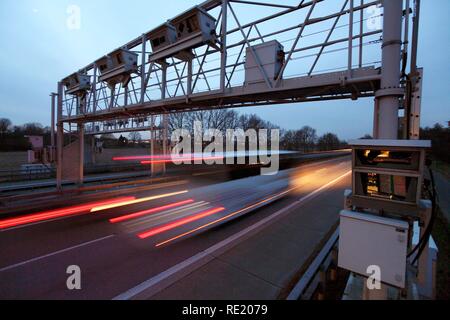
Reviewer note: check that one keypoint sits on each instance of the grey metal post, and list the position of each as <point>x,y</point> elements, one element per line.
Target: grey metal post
<point>113,96</point>
<point>126,96</point>
<point>94,91</point>
<point>390,91</point>
<point>189,78</point>
<point>164,80</point>
<point>52,121</point>
<point>152,143</point>
<point>165,138</point>
<point>376,118</point>
<point>143,69</point>
<point>361,31</point>
<point>413,111</point>
<point>59,138</point>
<point>80,128</point>
<point>223,62</point>
<point>350,40</point>
<point>415,37</point>
<point>93,148</point>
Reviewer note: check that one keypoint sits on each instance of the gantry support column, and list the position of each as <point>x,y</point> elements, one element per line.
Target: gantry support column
<point>59,138</point>
<point>81,130</point>
<point>390,91</point>
<point>387,101</point>
<point>223,54</point>
<point>93,150</point>
<point>165,138</point>
<point>152,143</point>
<point>81,154</point>
<point>189,77</point>
<point>52,121</point>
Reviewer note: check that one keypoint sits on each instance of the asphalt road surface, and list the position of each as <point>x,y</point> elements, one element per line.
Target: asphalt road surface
<point>124,243</point>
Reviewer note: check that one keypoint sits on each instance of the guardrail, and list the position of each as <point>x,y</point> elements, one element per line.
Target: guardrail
<point>316,270</point>
<point>29,175</point>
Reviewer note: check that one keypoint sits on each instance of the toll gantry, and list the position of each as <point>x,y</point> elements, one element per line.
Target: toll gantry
<point>216,55</point>
<point>240,53</point>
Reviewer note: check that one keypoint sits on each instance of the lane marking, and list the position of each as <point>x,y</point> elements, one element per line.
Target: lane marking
<point>55,253</point>
<point>137,201</point>
<point>227,243</point>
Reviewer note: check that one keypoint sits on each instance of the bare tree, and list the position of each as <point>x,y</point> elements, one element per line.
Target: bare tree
<point>178,121</point>
<point>135,137</point>
<point>306,138</point>
<point>328,141</point>
<point>33,128</point>
<point>288,141</point>
<point>217,119</point>
<point>5,124</point>
<point>253,121</point>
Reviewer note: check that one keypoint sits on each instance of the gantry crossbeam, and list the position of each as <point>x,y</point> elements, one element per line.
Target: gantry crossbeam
<point>213,76</point>
<point>242,53</point>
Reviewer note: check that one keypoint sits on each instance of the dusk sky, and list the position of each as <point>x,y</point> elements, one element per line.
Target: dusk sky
<point>38,50</point>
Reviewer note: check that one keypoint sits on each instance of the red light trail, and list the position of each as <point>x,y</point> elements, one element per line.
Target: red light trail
<point>145,160</point>
<point>150,211</point>
<point>180,159</point>
<point>224,218</point>
<point>47,215</point>
<point>179,223</point>
<point>131,158</point>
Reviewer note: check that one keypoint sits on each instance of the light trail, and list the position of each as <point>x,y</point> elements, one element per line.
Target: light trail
<point>243,210</point>
<point>225,217</point>
<point>181,160</point>
<point>180,222</point>
<point>131,158</point>
<point>146,223</point>
<point>130,202</point>
<point>168,158</point>
<point>47,215</point>
<point>150,211</point>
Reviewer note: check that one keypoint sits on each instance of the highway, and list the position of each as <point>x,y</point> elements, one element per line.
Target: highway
<point>120,242</point>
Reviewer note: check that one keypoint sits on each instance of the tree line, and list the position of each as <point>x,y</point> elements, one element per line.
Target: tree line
<point>306,139</point>
<point>440,138</point>
<point>14,137</point>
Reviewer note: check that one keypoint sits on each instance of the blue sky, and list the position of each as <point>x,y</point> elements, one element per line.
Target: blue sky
<point>38,49</point>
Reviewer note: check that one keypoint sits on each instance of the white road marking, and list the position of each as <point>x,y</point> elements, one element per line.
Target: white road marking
<point>167,213</point>
<point>55,253</point>
<point>232,240</point>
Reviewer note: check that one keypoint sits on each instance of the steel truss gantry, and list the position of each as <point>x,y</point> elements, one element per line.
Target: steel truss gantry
<point>333,50</point>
